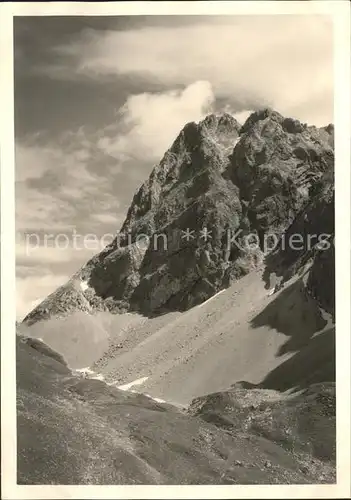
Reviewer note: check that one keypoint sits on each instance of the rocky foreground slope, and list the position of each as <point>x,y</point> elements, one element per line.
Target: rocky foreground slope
<point>236,335</point>
<point>73,430</point>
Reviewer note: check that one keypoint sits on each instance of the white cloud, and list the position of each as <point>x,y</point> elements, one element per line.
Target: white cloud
<point>108,219</point>
<point>33,160</point>
<point>57,248</point>
<point>61,183</point>
<point>153,120</point>
<point>282,61</point>
<point>37,209</point>
<point>71,181</point>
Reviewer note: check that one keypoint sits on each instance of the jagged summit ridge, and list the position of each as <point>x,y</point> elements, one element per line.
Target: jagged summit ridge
<point>219,177</point>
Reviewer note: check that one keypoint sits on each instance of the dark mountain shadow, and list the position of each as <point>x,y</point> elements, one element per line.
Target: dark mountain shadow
<point>272,265</point>
<point>293,313</point>
<point>314,363</point>
<point>297,315</point>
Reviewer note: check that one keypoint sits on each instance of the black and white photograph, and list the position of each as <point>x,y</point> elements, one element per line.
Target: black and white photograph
<point>175,252</point>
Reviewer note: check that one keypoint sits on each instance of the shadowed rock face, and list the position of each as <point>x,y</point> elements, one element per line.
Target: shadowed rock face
<point>217,177</point>
<point>316,222</point>
<point>73,430</point>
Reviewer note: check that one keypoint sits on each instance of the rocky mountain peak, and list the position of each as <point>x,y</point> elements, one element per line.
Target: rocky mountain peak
<point>220,125</point>
<point>217,178</point>
<point>214,134</point>
<point>261,115</point>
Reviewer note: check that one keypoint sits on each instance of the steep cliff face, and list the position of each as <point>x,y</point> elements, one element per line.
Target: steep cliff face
<point>200,220</point>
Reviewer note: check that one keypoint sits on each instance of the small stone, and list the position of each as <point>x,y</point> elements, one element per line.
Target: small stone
<point>304,469</point>
<point>267,464</point>
<point>238,463</point>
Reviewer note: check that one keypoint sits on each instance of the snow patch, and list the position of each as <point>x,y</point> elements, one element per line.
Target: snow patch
<point>126,387</point>
<point>213,296</point>
<point>327,317</point>
<point>84,285</point>
<point>98,376</point>
<point>158,400</point>
<point>138,381</point>
<point>85,371</point>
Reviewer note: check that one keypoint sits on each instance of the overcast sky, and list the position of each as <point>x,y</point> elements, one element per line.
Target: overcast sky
<point>98,100</point>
